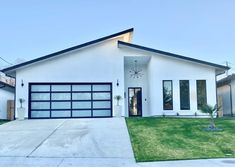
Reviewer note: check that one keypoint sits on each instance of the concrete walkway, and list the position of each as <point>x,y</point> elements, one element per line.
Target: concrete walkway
<point>192,163</point>
<point>77,142</point>
<point>108,162</point>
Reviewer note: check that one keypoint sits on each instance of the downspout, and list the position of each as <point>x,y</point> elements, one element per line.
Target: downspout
<point>231,100</point>
<point>15,100</point>
<point>216,94</point>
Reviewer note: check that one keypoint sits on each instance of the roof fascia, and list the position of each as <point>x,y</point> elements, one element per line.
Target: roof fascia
<point>66,50</point>
<point>221,67</point>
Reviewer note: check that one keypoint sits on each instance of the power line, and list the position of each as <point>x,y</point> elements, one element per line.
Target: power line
<point>5,61</point>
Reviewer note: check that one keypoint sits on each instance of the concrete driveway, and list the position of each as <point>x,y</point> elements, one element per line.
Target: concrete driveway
<point>55,142</point>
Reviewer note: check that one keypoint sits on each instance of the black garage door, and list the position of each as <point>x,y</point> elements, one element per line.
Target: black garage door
<point>76,100</point>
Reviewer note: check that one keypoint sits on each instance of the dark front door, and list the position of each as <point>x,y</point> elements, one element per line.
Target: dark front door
<point>135,101</point>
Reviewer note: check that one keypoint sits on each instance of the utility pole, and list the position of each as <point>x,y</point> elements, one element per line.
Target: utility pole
<point>226,70</point>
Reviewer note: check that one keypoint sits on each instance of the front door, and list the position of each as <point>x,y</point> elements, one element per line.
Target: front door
<point>135,101</point>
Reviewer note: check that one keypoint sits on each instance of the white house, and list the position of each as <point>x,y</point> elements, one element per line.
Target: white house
<point>83,80</point>
<point>7,92</point>
<point>226,94</point>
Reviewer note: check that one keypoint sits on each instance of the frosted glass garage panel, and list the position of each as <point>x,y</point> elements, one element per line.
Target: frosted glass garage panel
<point>81,113</point>
<point>101,113</point>
<point>40,96</point>
<point>101,87</point>
<point>82,105</point>
<point>60,105</point>
<point>101,96</point>
<point>63,100</point>
<point>61,113</point>
<point>81,88</point>
<point>40,114</point>
<point>40,88</point>
<point>101,104</point>
<point>60,87</point>
<point>60,96</point>
<point>40,105</point>
<point>81,96</point>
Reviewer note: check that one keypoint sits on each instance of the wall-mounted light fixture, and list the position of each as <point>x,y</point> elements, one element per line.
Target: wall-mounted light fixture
<point>117,82</point>
<point>22,83</point>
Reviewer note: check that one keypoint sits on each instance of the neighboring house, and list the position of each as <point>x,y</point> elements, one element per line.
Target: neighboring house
<point>6,79</point>
<point>7,92</point>
<point>226,95</point>
<point>82,81</point>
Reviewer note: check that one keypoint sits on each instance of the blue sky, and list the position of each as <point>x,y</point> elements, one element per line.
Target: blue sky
<point>203,29</point>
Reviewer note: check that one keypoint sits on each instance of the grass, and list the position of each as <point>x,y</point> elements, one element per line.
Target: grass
<point>158,139</point>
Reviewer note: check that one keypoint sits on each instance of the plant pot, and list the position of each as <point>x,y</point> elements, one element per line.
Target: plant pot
<point>220,113</point>
<point>21,113</point>
<point>118,111</point>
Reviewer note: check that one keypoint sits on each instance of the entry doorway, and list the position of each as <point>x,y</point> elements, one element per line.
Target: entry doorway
<point>135,101</point>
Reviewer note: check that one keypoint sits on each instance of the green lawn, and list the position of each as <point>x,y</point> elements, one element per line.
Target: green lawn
<point>156,139</point>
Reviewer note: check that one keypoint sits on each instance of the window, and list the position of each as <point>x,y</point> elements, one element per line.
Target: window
<point>167,95</point>
<point>184,95</point>
<point>201,93</point>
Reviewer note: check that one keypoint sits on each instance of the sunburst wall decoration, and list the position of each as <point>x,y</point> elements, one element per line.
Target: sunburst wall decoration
<point>136,72</point>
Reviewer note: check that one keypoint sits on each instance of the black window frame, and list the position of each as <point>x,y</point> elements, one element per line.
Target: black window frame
<point>198,103</point>
<point>180,89</point>
<point>163,95</point>
<point>141,104</point>
<point>70,100</point>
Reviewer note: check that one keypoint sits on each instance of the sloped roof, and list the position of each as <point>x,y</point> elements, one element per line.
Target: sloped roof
<point>226,80</point>
<point>120,43</point>
<point>6,86</point>
<point>66,50</point>
<point>172,55</point>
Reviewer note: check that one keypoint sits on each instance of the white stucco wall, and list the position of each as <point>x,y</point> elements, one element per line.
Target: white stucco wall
<point>104,62</point>
<point>160,68</point>
<point>4,96</point>
<point>165,68</point>
<point>97,63</point>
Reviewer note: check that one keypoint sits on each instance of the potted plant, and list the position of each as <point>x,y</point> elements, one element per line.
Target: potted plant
<point>21,109</point>
<point>117,107</point>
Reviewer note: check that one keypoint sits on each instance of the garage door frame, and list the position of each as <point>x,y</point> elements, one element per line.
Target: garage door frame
<point>71,91</point>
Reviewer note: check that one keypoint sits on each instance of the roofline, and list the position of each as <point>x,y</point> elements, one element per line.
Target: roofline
<point>172,55</point>
<point>225,81</point>
<point>66,50</point>
<point>6,84</point>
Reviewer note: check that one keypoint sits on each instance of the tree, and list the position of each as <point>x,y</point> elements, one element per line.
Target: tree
<point>118,98</point>
<point>211,111</point>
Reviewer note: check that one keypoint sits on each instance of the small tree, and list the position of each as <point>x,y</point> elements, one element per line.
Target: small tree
<point>21,100</point>
<point>118,98</point>
<point>211,111</point>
